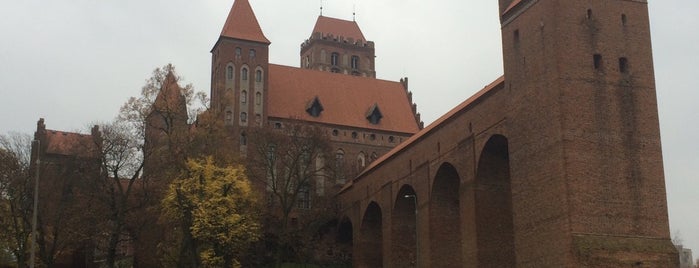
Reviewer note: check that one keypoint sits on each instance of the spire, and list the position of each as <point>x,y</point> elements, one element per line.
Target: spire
<point>242,24</point>
<point>169,97</point>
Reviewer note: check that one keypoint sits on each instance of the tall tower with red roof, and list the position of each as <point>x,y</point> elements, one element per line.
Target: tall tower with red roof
<point>239,68</point>
<point>338,46</point>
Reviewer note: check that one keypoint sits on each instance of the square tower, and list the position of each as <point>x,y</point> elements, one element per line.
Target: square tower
<point>588,65</point>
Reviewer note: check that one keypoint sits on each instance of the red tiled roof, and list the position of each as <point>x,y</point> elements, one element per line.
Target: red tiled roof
<point>436,124</point>
<point>345,99</point>
<point>338,27</point>
<point>242,23</point>
<point>512,5</point>
<point>69,143</point>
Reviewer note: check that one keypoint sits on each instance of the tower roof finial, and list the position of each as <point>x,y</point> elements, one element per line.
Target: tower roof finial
<point>354,12</point>
<point>321,7</point>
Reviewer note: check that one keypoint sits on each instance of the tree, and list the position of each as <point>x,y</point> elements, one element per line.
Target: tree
<point>216,209</point>
<point>120,187</point>
<point>15,193</point>
<point>290,164</point>
<point>141,152</point>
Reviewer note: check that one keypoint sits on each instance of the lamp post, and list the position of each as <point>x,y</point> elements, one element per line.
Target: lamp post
<point>417,239</point>
<point>36,206</point>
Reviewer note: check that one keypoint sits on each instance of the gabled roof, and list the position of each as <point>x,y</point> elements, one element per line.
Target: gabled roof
<point>464,106</point>
<point>346,99</point>
<point>242,23</point>
<point>338,27</point>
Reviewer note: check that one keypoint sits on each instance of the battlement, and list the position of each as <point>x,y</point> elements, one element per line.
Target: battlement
<point>339,39</point>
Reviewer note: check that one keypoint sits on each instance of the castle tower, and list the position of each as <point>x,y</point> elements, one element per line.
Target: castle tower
<point>338,46</point>
<point>588,66</point>
<point>239,69</point>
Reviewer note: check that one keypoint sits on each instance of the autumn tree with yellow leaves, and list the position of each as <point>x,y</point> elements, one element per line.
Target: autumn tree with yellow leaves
<point>216,213</point>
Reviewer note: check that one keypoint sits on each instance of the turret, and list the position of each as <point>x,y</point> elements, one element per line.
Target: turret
<point>338,46</point>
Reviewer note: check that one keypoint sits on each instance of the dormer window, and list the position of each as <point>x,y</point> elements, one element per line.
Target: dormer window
<point>374,114</point>
<point>314,108</point>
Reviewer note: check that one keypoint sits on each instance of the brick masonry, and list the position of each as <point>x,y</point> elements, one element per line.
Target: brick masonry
<point>557,165</point>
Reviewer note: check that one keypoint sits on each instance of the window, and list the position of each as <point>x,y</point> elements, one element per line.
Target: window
<point>252,53</point>
<point>623,65</point>
<point>597,58</point>
<point>229,72</point>
<point>277,125</point>
<point>339,159</point>
<point>304,197</point>
<point>623,19</point>
<point>237,52</point>
<point>334,58</point>
<point>243,139</point>
<point>307,62</point>
<point>589,14</point>
<point>354,135</point>
<point>258,76</point>
<point>243,117</point>
<point>243,96</point>
<point>258,98</point>
<point>335,132</point>
<point>245,74</point>
<point>355,62</point>
<point>516,37</point>
<point>229,116</point>
<point>372,137</point>
<point>374,114</point>
<point>391,139</point>
<point>361,161</point>
<point>314,108</point>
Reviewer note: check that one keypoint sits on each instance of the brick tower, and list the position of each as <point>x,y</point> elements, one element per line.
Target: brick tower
<point>338,46</point>
<point>239,68</point>
<point>588,65</point>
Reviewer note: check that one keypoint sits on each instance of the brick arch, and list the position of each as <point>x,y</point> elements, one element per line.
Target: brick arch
<point>445,223</point>
<point>403,227</point>
<point>493,198</point>
<point>370,238</point>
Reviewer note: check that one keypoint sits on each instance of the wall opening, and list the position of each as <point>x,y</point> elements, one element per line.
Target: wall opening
<point>597,61</point>
<point>403,227</point>
<point>370,238</point>
<point>623,65</point>
<point>493,198</point>
<point>445,223</point>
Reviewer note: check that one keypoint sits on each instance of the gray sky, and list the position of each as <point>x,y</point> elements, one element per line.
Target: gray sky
<point>76,61</point>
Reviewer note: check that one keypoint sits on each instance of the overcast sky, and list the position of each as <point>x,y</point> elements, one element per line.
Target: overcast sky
<point>73,62</point>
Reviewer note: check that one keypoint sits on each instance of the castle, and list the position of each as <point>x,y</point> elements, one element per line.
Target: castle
<point>556,164</point>
<point>335,88</point>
